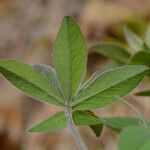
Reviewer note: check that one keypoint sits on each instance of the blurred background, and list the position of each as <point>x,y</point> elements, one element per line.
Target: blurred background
<point>28,29</point>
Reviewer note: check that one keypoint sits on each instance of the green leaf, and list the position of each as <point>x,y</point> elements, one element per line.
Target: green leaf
<point>70,57</point>
<point>113,51</point>
<point>59,121</point>
<point>148,37</point>
<point>146,146</point>
<point>88,118</point>
<point>109,86</point>
<point>110,65</point>
<point>49,74</point>
<point>56,122</point>
<point>85,118</point>
<point>107,66</point>
<point>134,138</point>
<point>87,82</point>
<point>135,42</point>
<point>97,129</point>
<point>140,58</point>
<point>143,93</point>
<point>28,80</point>
<point>119,123</point>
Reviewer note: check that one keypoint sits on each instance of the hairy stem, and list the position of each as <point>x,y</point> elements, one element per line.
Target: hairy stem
<point>74,130</point>
<point>139,114</point>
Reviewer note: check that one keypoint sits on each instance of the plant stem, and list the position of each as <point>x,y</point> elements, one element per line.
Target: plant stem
<point>74,130</point>
<point>140,115</point>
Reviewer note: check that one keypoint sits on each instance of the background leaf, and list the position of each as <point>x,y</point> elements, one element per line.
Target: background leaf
<point>110,85</point>
<point>113,51</point>
<point>148,36</point>
<point>97,129</point>
<point>119,123</point>
<point>70,56</point>
<point>146,146</point>
<point>143,93</point>
<point>29,81</point>
<point>134,138</point>
<point>140,58</point>
<point>135,42</point>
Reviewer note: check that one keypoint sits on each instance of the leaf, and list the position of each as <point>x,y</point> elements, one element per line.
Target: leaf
<point>135,42</point>
<point>56,122</point>
<point>85,118</point>
<point>109,86</point>
<point>70,57</point>
<point>143,93</point>
<point>140,58</point>
<point>148,36</point>
<point>28,80</point>
<point>49,74</point>
<point>146,146</point>
<point>86,83</point>
<point>97,129</point>
<point>134,138</point>
<point>107,66</point>
<point>113,51</point>
<point>88,118</point>
<point>59,121</point>
<point>119,123</point>
<point>110,65</point>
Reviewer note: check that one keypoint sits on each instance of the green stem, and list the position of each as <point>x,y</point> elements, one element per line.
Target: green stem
<point>74,130</point>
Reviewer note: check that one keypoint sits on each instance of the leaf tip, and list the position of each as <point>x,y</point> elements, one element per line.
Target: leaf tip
<point>67,17</point>
<point>30,130</point>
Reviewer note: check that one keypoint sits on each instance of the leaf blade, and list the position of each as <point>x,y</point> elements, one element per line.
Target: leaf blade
<point>55,122</point>
<point>25,78</point>
<point>148,36</point>
<point>140,58</point>
<point>113,51</point>
<point>97,129</point>
<point>109,86</point>
<point>135,42</point>
<point>70,56</point>
<point>146,146</point>
<point>143,93</point>
<point>133,138</point>
<point>88,118</point>
<point>50,75</point>
<point>119,123</point>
